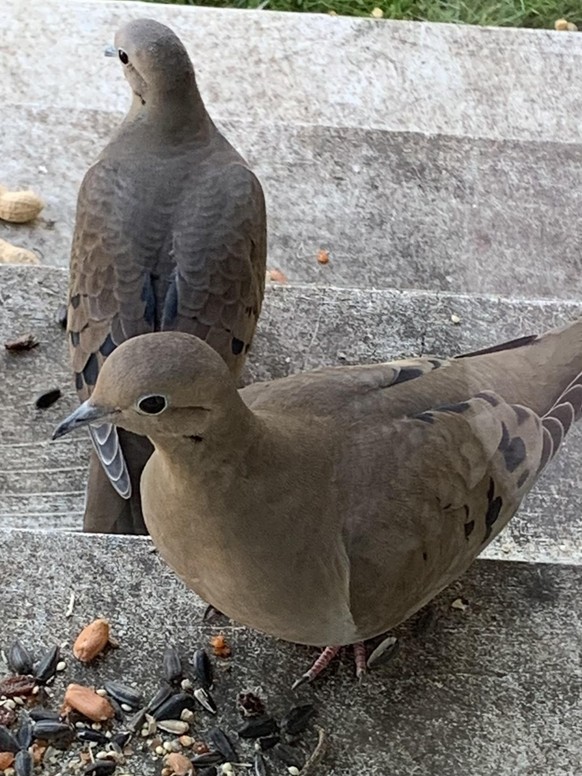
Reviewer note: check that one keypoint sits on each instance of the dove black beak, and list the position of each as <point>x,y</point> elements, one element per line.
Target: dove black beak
<point>82,416</point>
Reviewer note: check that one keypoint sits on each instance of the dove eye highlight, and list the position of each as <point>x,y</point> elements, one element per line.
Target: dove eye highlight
<point>123,57</point>
<point>152,405</point>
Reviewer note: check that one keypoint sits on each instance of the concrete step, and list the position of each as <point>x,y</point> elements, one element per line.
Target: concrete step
<point>42,483</point>
<point>310,69</point>
<point>494,689</point>
<point>395,210</point>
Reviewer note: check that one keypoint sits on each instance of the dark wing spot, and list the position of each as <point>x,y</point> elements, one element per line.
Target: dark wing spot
<point>75,301</point>
<point>75,338</point>
<point>424,556</point>
<point>521,413</point>
<point>91,370</point>
<point>523,478</point>
<point>460,407</point>
<point>492,514</point>
<point>435,362</point>
<point>79,382</point>
<point>574,396</point>
<point>149,298</point>
<point>556,431</point>
<point>237,346</point>
<point>491,490</point>
<point>107,347</point>
<point>564,413</point>
<point>170,311</point>
<point>513,449</point>
<point>547,449</point>
<point>407,373</point>
<point>426,417</point>
<point>469,528</point>
<point>488,397</point>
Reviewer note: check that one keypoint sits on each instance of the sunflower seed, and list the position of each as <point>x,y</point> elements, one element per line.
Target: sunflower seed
<point>100,768</point>
<point>92,736</point>
<point>164,692</point>
<point>24,734</point>
<point>385,651</point>
<point>124,695</point>
<point>49,730</point>
<point>266,743</point>
<point>40,713</point>
<point>19,659</point>
<point>134,723</point>
<point>203,668</point>
<point>174,706</point>
<point>7,741</point>
<point>46,667</point>
<point>172,665</point>
<point>205,700</point>
<point>296,720</point>
<point>176,726</point>
<point>208,758</point>
<point>208,771</point>
<point>47,398</point>
<point>258,727</point>
<point>223,744</point>
<point>121,739</point>
<point>259,765</point>
<point>289,755</point>
<point>23,765</point>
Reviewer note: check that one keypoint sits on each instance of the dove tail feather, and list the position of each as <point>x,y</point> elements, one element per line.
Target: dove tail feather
<point>106,444</point>
<point>559,420</point>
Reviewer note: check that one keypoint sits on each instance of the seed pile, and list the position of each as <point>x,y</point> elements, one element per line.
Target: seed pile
<point>97,731</point>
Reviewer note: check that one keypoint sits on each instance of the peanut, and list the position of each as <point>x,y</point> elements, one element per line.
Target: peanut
<point>91,641</point>
<point>19,206</point>
<point>88,703</point>
<point>12,254</point>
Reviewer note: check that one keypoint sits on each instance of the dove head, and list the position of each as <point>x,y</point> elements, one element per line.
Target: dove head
<point>166,384</point>
<point>154,61</point>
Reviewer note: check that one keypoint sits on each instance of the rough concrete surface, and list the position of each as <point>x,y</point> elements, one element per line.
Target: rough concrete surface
<point>494,689</point>
<point>42,483</point>
<point>310,69</point>
<point>395,210</point>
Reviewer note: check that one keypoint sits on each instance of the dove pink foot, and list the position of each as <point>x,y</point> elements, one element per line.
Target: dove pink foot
<point>325,659</point>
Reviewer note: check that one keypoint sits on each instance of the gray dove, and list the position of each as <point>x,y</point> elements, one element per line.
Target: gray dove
<point>334,504</point>
<point>170,234</point>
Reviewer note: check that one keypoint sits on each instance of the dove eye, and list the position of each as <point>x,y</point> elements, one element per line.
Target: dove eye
<point>152,405</point>
<point>123,56</point>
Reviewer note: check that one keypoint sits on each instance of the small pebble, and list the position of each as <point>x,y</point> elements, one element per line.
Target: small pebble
<point>61,666</point>
<point>455,319</point>
<point>186,741</point>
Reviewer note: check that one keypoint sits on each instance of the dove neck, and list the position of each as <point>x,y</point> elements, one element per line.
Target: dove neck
<point>180,111</point>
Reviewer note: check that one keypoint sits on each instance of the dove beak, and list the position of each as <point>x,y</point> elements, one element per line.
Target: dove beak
<point>110,51</point>
<point>82,416</point>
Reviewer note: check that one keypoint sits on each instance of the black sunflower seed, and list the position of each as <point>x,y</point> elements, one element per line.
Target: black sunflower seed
<point>223,744</point>
<point>24,734</point>
<point>259,765</point>
<point>212,771</point>
<point>172,665</point>
<point>163,693</point>
<point>19,659</point>
<point>208,758</point>
<point>47,398</point>
<point>289,755</point>
<point>123,694</point>
<point>92,736</point>
<point>23,765</point>
<point>121,739</point>
<point>258,727</point>
<point>39,713</point>
<point>135,722</point>
<point>297,719</point>
<point>268,742</point>
<point>174,706</point>
<point>100,768</point>
<point>7,741</point>
<point>203,668</point>
<point>46,667</point>
<point>49,730</point>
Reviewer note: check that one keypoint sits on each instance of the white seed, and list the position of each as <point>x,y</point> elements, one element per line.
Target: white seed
<point>175,726</point>
<point>186,684</point>
<point>9,704</point>
<point>19,700</point>
<point>35,689</point>
<point>61,666</point>
<point>187,715</point>
<point>226,768</point>
<point>126,707</point>
<point>455,319</point>
<point>96,725</point>
<point>102,692</point>
<point>186,741</point>
<point>160,750</point>
<point>293,770</point>
<point>9,772</point>
<point>102,755</point>
<point>80,725</point>
<point>145,731</point>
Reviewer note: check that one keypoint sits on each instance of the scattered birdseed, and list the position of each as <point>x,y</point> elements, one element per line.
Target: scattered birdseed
<point>25,342</point>
<point>46,399</point>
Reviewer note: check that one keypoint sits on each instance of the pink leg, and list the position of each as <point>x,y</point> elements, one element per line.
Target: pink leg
<point>320,664</point>
<point>360,658</point>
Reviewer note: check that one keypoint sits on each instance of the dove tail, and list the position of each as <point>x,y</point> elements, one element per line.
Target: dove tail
<point>559,419</point>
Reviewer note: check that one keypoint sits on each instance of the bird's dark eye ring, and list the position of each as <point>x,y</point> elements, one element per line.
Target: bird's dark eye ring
<point>152,405</point>
<point>123,56</point>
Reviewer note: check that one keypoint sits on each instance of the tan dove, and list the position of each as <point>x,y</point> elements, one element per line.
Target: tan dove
<point>170,233</point>
<point>332,505</point>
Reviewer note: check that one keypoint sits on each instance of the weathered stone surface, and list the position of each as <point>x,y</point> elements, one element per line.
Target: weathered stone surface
<point>395,210</point>
<point>310,69</point>
<point>42,483</point>
<point>492,689</point>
